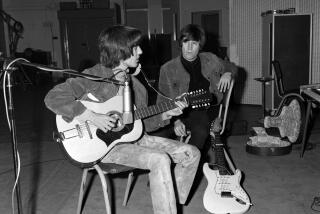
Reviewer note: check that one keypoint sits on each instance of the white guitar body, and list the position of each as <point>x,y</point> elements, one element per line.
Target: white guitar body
<point>238,201</point>
<point>80,139</point>
<point>86,145</point>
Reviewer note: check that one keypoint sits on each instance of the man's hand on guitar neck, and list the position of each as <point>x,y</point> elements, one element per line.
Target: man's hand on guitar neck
<point>174,112</point>
<point>102,121</point>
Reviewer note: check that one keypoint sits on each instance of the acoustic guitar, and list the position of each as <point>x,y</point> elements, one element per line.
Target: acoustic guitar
<point>223,194</point>
<point>85,145</point>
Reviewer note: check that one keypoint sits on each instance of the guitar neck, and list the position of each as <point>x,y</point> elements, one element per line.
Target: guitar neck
<point>154,109</point>
<point>220,157</point>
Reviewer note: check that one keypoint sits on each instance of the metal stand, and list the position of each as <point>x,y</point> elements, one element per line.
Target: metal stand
<point>9,71</point>
<point>263,80</point>
<point>13,138</point>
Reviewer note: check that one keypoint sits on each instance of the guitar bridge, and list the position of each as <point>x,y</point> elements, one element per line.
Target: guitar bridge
<point>80,134</point>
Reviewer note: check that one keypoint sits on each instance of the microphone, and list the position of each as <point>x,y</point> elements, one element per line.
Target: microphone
<point>127,103</point>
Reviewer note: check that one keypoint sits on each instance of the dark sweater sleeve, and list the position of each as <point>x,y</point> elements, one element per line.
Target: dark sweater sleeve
<point>230,67</point>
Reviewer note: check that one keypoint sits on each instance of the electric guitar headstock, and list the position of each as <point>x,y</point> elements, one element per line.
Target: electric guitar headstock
<point>215,127</point>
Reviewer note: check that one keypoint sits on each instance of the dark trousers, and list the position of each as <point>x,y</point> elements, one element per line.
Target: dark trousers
<point>198,122</point>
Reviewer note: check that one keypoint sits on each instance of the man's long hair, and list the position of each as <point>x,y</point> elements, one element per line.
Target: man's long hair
<point>193,32</point>
<point>116,43</point>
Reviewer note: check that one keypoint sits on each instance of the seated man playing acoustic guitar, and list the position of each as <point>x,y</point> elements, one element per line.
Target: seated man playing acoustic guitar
<point>119,50</point>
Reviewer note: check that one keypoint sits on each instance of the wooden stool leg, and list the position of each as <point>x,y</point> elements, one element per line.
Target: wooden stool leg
<point>104,188</point>
<point>82,190</point>
<point>126,194</point>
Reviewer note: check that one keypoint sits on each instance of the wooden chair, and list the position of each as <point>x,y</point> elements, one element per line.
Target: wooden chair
<point>224,107</point>
<point>104,170</point>
<point>285,95</point>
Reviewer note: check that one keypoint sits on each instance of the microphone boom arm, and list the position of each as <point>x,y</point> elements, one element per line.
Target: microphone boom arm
<point>72,72</point>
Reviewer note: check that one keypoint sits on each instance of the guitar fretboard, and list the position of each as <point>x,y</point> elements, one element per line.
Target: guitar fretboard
<point>220,158</point>
<point>154,109</point>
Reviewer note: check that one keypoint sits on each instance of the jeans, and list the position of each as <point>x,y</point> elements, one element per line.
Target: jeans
<point>156,154</point>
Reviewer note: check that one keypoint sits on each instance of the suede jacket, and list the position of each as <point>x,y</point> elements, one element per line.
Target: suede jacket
<point>174,79</point>
<point>64,99</point>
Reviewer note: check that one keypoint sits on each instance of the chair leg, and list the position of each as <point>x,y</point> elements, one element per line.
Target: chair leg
<point>104,188</point>
<point>126,194</point>
<point>82,190</point>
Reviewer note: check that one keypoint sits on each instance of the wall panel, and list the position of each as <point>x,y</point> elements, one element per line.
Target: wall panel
<point>313,6</point>
<point>245,44</point>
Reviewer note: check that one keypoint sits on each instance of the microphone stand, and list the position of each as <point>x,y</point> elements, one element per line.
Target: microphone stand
<point>13,133</point>
<point>9,71</point>
<point>72,72</point>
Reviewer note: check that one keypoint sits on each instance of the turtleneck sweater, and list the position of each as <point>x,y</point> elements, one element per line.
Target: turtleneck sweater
<point>197,80</point>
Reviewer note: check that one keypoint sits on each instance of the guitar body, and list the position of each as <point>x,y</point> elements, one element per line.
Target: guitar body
<point>86,144</point>
<point>223,195</point>
<point>237,202</point>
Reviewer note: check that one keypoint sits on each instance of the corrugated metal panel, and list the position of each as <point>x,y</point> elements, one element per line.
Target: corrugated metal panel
<point>245,37</point>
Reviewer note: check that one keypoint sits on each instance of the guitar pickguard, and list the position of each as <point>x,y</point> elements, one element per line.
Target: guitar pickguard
<point>112,136</point>
<point>224,193</point>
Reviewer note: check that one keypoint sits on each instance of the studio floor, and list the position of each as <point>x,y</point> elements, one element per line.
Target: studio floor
<point>50,184</point>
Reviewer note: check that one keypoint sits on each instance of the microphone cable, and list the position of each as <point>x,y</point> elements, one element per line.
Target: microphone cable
<point>5,73</point>
<point>149,84</point>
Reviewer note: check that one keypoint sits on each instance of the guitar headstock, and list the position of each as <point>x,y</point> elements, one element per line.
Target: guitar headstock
<point>215,126</point>
<point>199,99</point>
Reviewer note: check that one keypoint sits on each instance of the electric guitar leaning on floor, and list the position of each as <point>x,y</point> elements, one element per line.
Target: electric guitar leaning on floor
<point>223,194</point>
<point>85,144</point>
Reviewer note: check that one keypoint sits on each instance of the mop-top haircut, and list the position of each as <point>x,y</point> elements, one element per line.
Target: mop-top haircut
<point>116,43</point>
<point>193,32</point>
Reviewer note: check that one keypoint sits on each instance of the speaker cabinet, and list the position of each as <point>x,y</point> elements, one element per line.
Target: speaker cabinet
<point>287,39</point>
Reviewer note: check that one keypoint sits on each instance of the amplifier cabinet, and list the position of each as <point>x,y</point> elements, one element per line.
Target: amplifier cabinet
<point>286,38</point>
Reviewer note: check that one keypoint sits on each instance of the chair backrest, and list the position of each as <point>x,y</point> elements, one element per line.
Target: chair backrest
<point>224,106</point>
<point>278,77</point>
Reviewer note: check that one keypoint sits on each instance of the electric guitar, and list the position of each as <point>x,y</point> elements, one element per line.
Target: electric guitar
<point>223,194</point>
<point>85,144</point>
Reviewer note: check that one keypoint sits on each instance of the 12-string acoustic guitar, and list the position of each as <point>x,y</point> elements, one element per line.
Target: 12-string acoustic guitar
<point>84,144</point>
<point>223,194</point>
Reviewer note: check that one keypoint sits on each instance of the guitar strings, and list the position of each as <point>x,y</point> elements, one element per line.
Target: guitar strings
<point>223,167</point>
